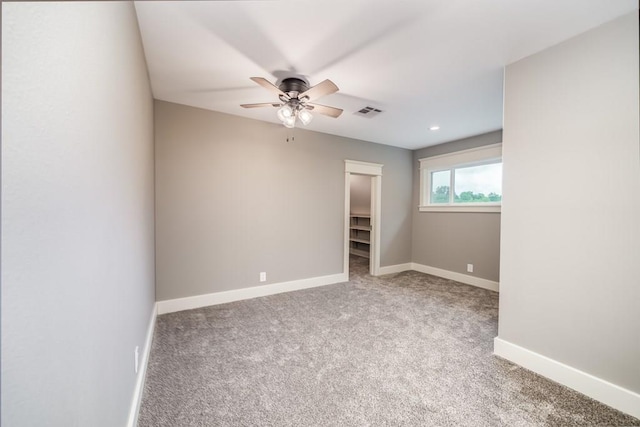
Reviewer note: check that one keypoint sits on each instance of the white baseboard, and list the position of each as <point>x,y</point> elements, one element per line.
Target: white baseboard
<point>452,275</point>
<point>188,303</point>
<point>603,391</point>
<point>142,370</point>
<point>458,277</point>
<point>398,268</point>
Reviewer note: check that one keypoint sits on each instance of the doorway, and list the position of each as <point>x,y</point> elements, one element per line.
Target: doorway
<point>362,225</point>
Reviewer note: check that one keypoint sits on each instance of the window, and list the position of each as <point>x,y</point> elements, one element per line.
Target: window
<point>474,175</point>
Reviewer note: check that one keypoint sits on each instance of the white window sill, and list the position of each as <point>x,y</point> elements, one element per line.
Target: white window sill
<point>462,208</point>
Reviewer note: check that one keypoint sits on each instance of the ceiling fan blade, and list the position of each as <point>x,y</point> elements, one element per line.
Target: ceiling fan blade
<point>326,87</point>
<point>269,86</point>
<point>323,109</point>
<point>263,104</point>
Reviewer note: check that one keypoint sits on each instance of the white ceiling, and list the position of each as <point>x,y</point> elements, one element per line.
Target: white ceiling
<point>423,62</point>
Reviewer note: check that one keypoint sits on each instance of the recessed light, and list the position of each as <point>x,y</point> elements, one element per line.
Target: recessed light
<point>434,128</point>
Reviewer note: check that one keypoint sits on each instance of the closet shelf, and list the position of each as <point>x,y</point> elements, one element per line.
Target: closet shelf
<point>361,227</point>
<point>360,234</point>
<point>359,240</point>
<point>359,252</point>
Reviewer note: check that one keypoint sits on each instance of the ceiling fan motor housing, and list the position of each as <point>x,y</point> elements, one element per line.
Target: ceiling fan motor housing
<point>295,85</point>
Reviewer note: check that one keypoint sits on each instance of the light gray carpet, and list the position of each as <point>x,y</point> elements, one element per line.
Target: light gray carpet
<point>404,349</point>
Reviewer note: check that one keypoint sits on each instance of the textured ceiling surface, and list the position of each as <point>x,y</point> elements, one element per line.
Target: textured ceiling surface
<point>422,62</point>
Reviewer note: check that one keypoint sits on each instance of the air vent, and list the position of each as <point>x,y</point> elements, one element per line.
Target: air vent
<point>368,112</point>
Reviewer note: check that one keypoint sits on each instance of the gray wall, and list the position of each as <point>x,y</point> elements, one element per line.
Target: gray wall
<point>77,212</point>
<point>233,198</point>
<point>451,240</point>
<point>570,284</point>
<point>360,196</point>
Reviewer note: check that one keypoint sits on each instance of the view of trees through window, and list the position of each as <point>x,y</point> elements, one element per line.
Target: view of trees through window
<point>473,184</point>
<point>441,195</point>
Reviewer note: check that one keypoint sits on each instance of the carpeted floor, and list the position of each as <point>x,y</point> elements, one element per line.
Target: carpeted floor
<point>403,349</point>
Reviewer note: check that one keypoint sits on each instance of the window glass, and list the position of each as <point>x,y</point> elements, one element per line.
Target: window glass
<point>478,184</point>
<point>440,184</point>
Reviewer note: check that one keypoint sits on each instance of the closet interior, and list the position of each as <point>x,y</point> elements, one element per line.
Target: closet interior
<point>360,216</point>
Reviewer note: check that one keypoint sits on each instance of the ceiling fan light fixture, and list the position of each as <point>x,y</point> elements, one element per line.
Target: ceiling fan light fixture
<point>289,122</point>
<point>305,117</point>
<point>285,112</point>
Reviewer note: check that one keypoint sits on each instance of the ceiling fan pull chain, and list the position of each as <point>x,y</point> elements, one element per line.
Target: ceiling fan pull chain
<point>290,136</point>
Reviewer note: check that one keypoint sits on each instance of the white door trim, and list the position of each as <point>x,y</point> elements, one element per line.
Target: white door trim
<point>374,170</point>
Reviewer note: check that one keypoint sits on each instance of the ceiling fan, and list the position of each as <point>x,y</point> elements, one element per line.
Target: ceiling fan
<point>295,96</point>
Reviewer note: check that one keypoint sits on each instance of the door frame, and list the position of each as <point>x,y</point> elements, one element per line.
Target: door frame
<point>373,170</point>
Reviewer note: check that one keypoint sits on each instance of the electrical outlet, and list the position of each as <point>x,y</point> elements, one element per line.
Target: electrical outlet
<point>263,276</point>
<point>136,356</point>
<point>470,268</point>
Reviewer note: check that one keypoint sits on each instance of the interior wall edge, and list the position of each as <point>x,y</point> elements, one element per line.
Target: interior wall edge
<point>142,370</point>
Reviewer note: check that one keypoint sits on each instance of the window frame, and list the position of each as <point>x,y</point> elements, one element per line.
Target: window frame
<point>460,159</point>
